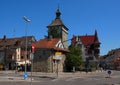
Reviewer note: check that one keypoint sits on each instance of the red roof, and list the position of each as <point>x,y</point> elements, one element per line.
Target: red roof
<point>86,40</point>
<point>49,44</point>
<point>46,43</point>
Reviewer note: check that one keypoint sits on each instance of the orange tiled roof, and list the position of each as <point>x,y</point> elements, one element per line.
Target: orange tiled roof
<point>46,43</point>
<point>49,44</point>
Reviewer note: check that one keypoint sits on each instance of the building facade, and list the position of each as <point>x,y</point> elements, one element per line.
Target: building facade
<point>45,55</point>
<point>89,44</point>
<point>111,60</point>
<point>12,51</point>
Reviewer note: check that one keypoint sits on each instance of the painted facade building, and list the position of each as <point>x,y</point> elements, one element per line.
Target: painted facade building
<point>89,44</point>
<point>12,51</point>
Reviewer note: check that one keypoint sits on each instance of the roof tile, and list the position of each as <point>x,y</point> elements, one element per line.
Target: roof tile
<point>46,43</point>
<point>49,44</point>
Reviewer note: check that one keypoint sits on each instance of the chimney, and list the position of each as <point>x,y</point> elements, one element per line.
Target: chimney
<point>4,37</point>
<point>50,37</point>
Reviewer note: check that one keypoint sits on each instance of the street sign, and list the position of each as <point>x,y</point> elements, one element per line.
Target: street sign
<point>57,56</point>
<point>25,75</point>
<point>58,53</point>
<point>33,47</point>
<point>109,72</point>
<point>31,56</point>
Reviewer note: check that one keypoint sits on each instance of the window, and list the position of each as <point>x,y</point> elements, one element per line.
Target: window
<point>43,52</point>
<point>22,57</point>
<point>27,57</point>
<point>10,57</point>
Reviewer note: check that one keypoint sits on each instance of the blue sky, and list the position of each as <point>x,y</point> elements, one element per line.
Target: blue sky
<point>80,16</point>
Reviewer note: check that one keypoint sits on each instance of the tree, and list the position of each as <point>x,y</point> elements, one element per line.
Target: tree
<point>74,58</point>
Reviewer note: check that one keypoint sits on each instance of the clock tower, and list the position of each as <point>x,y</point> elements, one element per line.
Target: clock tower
<point>57,29</point>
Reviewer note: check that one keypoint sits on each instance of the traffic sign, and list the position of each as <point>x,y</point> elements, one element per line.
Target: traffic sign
<point>31,56</point>
<point>25,75</point>
<point>58,53</point>
<point>57,56</point>
<point>33,47</point>
<point>109,73</point>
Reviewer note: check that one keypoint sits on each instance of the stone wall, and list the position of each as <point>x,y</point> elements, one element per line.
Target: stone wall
<point>43,61</point>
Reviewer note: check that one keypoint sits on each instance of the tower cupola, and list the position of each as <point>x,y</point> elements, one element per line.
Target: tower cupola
<point>58,14</point>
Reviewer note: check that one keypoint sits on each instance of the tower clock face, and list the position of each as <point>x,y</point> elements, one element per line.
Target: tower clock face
<point>55,32</point>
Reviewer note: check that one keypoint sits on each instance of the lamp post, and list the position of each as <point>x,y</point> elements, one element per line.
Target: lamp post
<point>27,21</point>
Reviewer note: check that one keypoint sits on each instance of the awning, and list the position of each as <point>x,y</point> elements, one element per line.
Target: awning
<point>23,62</point>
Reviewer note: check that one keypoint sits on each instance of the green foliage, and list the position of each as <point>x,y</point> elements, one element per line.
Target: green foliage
<point>82,67</point>
<point>93,66</point>
<point>74,58</point>
<point>1,63</point>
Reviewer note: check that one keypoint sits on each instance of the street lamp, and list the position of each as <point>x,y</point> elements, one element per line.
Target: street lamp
<point>27,21</point>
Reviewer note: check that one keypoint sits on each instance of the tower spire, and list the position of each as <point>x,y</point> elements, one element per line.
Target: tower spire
<point>96,36</point>
<point>95,32</point>
<point>58,5</point>
<point>58,13</point>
